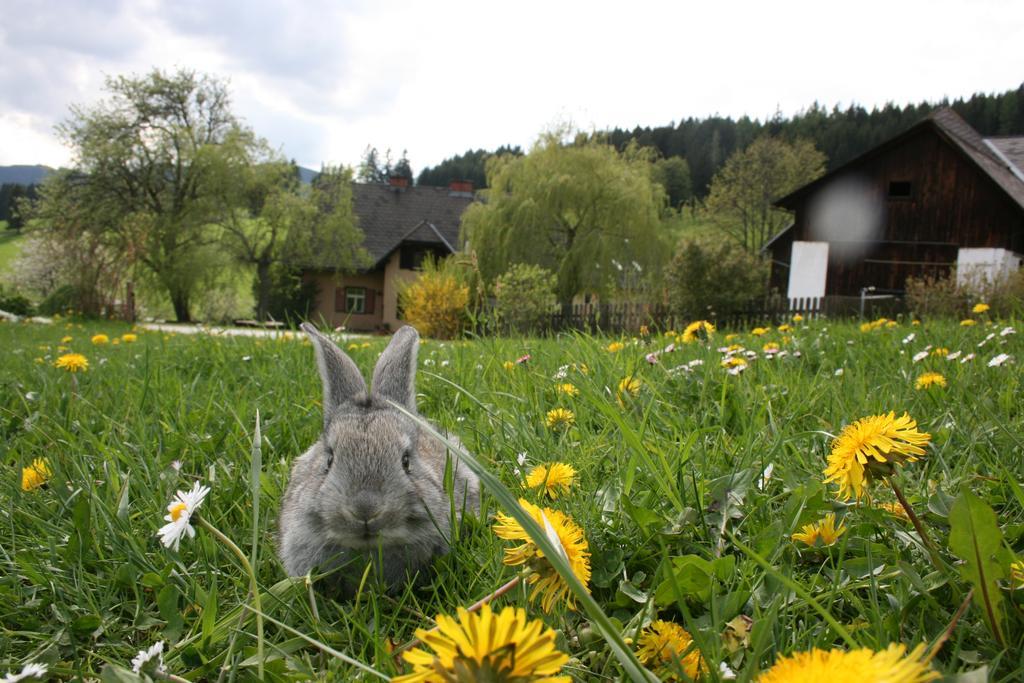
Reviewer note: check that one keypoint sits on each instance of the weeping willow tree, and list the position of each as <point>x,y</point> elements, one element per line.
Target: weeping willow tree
<point>581,209</point>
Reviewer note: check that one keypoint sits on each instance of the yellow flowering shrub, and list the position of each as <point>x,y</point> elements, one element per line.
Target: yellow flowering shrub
<point>435,304</point>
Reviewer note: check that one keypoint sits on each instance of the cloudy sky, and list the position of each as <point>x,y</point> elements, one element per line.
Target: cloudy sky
<point>322,79</point>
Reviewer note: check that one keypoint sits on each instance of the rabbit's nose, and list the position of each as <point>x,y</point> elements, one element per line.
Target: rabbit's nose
<point>365,510</point>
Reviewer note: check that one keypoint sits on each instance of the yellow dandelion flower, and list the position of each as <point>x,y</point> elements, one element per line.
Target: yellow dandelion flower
<point>872,445</point>
<point>567,388</point>
<point>559,418</point>
<point>72,362</point>
<point>732,335</point>
<point>892,665</point>
<point>784,328</point>
<point>66,339</point>
<point>941,352</point>
<point>615,347</point>
<point>1017,574</point>
<point>770,347</point>
<point>484,646</point>
<point>824,530</point>
<point>929,379</point>
<point>564,533</point>
<point>759,331</point>
<point>967,322</point>
<point>699,329</point>
<point>980,308</point>
<point>629,387</point>
<point>668,647</point>
<point>35,475</point>
<point>582,367</point>
<point>797,318</point>
<point>555,479</point>
<point>115,341</point>
<point>866,327</point>
<point>645,331</point>
<point>129,338</point>
<point>734,362</point>
<point>100,339</point>
<point>352,347</point>
<point>894,509</point>
<point>733,348</point>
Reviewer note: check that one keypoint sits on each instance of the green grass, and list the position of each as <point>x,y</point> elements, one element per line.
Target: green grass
<point>667,491</point>
<point>9,247</point>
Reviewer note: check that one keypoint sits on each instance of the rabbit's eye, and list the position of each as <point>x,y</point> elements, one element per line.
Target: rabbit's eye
<point>405,460</point>
<point>330,456</point>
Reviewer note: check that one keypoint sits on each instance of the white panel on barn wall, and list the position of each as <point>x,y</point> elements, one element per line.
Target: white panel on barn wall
<point>977,267</point>
<point>808,268</point>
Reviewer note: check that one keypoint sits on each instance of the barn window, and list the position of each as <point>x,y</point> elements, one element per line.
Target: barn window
<point>899,189</point>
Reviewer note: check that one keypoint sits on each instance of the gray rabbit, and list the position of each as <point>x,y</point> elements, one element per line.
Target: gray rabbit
<point>371,489</point>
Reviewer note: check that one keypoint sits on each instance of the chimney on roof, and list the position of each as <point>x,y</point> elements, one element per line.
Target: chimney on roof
<point>460,188</point>
<point>399,182</point>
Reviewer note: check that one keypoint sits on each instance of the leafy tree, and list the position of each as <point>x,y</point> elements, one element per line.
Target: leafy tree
<point>742,192</point>
<point>713,279</point>
<point>271,220</point>
<point>573,208</point>
<point>157,155</point>
<point>673,174</point>
<point>524,295</point>
<point>72,245</point>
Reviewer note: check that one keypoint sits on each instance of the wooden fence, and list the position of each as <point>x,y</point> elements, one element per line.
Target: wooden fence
<point>628,317</point>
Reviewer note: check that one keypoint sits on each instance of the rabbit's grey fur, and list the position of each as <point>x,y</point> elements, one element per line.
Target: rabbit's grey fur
<point>361,503</point>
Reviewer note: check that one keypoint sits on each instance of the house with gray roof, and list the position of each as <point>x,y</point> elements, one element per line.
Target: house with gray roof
<point>402,225</point>
<point>938,197</point>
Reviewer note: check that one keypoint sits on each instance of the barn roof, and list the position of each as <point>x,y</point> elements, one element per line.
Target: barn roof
<point>1001,159</point>
<point>390,215</point>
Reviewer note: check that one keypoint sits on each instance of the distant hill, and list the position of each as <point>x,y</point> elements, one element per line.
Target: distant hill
<point>23,175</point>
<point>306,175</point>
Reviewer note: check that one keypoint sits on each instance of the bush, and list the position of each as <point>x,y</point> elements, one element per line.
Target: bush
<point>16,304</point>
<point>524,296</point>
<point>714,279</point>
<point>436,302</point>
<point>935,295</point>
<point>940,296</point>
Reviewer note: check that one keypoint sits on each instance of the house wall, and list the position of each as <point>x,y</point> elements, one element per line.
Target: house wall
<point>327,291</point>
<point>384,282</point>
<point>952,205</point>
<point>393,278</point>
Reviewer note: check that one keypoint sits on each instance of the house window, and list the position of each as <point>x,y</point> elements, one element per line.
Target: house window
<point>899,189</point>
<point>411,258</point>
<point>355,299</point>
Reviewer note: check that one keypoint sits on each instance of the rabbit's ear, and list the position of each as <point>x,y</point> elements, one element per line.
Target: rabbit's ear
<point>394,378</point>
<point>341,378</point>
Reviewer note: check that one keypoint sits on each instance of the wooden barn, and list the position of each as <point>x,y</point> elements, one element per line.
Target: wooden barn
<point>936,197</point>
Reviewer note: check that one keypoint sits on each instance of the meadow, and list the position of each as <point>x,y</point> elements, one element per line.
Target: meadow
<point>690,479</point>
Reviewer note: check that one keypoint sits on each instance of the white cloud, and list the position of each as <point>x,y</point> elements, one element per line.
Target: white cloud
<point>322,80</point>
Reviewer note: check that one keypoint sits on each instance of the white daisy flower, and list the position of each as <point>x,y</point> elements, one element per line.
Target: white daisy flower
<point>144,661</point>
<point>953,356</point>
<point>1007,330</point>
<point>999,360</point>
<point>968,357</point>
<point>920,355</point>
<point>986,340</point>
<point>766,476</point>
<point>695,363</point>
<point>179,513</point>
<point>838,372</point>
<point>30,671</point>
<point>909,338</point>
<point>652,357</point>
